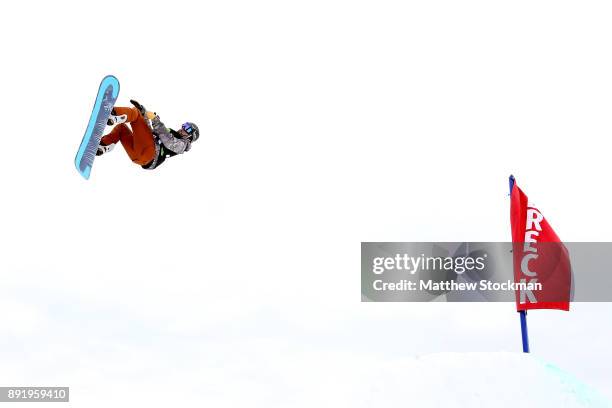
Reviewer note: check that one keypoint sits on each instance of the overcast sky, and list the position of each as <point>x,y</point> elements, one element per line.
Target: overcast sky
<point>231,274</point>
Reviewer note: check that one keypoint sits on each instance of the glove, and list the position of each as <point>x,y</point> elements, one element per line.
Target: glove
<point>138,106</point>
<point>150,115</point>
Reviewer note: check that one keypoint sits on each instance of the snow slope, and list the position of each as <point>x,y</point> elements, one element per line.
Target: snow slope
<point>477,380</point>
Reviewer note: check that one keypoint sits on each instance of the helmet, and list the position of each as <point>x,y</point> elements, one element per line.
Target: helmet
<point>192,130</point>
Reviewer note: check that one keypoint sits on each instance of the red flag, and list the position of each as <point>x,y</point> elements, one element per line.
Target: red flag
<point>539,257</point>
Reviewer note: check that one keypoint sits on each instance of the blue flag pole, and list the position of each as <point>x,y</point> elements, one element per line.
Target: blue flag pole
<point>523,313</point>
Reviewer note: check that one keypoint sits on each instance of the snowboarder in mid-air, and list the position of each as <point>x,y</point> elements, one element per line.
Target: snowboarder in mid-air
<point>149,142</point>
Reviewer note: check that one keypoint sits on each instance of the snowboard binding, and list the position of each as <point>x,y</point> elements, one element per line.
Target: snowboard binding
<point>115,119</point>
<point>104,149</point>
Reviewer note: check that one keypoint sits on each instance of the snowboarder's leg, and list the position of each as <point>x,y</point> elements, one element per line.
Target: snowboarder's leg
<point>120,133</point>
<point>144,142</point>
<point>138,143</point>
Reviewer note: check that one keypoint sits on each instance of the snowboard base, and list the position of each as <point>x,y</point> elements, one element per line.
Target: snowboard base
<point>105,100</point>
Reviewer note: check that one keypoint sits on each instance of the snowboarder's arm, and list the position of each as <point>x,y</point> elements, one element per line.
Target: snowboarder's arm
<point>176,144</point>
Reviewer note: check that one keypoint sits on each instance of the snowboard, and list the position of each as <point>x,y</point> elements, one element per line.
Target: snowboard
<point>105,100</point>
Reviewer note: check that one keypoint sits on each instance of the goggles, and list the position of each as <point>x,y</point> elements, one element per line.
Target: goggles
<point>187,128</point>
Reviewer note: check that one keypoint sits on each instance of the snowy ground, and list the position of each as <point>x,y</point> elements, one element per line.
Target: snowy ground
<point>477,380</point>
<point>128,353</point>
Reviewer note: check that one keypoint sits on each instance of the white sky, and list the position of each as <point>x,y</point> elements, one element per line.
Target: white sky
<point>231,274</point>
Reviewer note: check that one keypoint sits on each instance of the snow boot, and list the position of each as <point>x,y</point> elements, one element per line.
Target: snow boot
<point>115,119</point>
<point>104,149</point>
